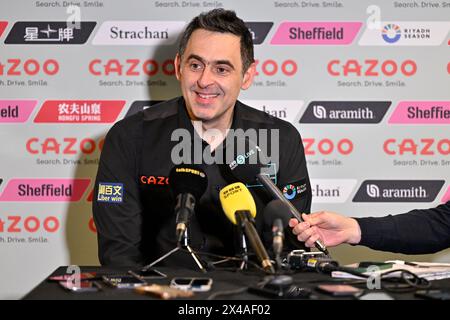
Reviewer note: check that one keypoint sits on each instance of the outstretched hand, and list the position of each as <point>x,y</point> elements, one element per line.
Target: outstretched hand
<point>331,228</point>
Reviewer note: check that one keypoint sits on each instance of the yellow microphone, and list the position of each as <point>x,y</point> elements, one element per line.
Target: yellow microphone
<point>240,208</point>
<point>236,197</point>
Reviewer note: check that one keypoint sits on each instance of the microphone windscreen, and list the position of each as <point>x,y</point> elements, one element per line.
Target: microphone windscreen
<point>188,179</point>
<point>236,197</point>
<point>277,209</point>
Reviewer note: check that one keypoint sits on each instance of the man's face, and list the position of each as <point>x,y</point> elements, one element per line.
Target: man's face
<point>210,75</point>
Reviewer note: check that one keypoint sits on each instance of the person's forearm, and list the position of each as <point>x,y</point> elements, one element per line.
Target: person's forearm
<point>415,232</point>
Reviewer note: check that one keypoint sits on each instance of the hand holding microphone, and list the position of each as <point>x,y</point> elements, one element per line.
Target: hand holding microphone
<point>240,208</point>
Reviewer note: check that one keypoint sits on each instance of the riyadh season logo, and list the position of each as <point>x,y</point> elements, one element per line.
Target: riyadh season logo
<point>406,33</point>
<point>391,33</point>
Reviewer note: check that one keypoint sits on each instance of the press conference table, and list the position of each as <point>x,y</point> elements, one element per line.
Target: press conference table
<point>224,280</point>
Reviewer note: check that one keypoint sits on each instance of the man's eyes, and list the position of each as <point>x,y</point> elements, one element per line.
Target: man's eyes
<point>195,66</point>
<point>221,70</point>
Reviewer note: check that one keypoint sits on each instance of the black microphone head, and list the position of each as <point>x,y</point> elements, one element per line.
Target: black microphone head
<point>276,209</point>
<point>188,179</point>
<point>244,160</point>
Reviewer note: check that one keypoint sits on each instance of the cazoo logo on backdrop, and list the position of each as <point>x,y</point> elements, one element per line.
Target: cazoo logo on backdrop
<point>63,145</point>
<point>371,68</point>
<point>398,190</point>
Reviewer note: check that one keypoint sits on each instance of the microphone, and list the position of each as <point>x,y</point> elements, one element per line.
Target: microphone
<point>278,236</point>
<point>240,208</point>
<point>188,183</point>
<point>285,204</point>
<point>277,218</point>
<point>254,172</point>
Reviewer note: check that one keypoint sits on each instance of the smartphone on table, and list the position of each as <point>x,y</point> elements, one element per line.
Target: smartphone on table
<point>146,274</point>
<point>340,290</point>
<point>192,283</point>
<point>83,286</point>
<point>124,282</point>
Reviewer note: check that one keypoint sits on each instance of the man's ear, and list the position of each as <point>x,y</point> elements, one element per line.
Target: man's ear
<point>177,66</point>
<point>248,76</point>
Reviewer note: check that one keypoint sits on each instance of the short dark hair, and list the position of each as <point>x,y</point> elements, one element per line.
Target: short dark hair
<point>224,21</point>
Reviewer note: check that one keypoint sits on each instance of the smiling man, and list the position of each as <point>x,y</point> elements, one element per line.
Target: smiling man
<point>137,223</point>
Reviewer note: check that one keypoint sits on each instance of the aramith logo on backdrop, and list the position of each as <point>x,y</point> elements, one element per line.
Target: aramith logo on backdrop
<point>148,33</point>
<point>406,33</point>
<point>259,30</point>
<point>316,33</point>
<point>49,32</point>
<point>345,112</point>
<point>14,111</point>
<point>79,111</point>
<point>398,190</point>
<point>286,110</point>
<point>421,112</point>
<point>141,105</point>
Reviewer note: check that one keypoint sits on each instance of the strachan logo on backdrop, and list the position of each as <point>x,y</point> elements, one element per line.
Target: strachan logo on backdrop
<point>398,190</point>
<point>287,110</point>
<point>148,33</point>
<point>332,190</point>
<point>49,32</point>
<point>345,111</point>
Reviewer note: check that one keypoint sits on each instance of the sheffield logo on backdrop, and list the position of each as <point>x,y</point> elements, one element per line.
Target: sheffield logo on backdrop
<point>316,33</point>
<point>421,112</point>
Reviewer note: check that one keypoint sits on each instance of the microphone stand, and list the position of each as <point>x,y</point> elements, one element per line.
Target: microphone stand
<point>182,244</point>
<point>244,263</point>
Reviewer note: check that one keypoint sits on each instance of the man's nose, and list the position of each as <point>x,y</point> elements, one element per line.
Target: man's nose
<point>206,78</point>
